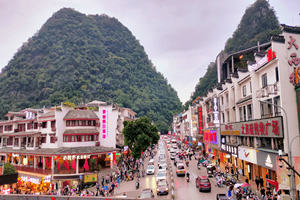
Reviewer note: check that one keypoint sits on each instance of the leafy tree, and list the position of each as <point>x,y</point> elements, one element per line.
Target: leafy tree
<point>139,135</point>
<point>9,169</point>
<point>79,58</point>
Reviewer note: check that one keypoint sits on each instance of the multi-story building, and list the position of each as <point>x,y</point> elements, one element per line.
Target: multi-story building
<point>253,111</point>
<point>63,143</point>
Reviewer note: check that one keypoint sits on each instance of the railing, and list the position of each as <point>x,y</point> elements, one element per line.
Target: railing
<point>31,169</point>
<point>272,89</point>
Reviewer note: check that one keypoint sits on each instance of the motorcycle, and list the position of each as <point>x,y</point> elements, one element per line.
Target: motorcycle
<point>187,163</point>
<point>199,165</point>
<point>137,185</point>
<point>188,179</point>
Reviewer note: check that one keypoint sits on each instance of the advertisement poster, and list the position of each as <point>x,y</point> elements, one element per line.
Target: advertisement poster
<point>297,168</point>
<point>282,177</point>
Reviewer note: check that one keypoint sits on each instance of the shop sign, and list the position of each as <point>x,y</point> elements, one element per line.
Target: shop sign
<point>73,157</point>
<point>30,179</point>
<point>282,176</point>
<point>247,154</point>
<point>294,62</point>
<point>200,120</point>
<point>210,136</point>
<point>47,179</point>
<point>230,149</point>
<point>90,178</point>
<point>215,104</point>
<point>267,160</point>
<point>297,168</point>
<point>270,127</point>
<point>104,123</point>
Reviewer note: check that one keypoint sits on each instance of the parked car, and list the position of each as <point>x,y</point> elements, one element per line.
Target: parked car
<point>147,194</point>
<point>210,170</point>
<point>203,183</point>
<point>151,162</point>
<point>162,187</point>
<point>161,176</point>
<point>180,171</point>
<point>150,169</point>
<point>221,197</point>
<point>173,155</point>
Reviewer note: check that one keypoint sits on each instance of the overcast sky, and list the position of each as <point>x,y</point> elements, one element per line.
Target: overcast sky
<point>181,37</point>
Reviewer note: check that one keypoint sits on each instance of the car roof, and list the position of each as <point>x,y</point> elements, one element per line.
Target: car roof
<point>147,190</point>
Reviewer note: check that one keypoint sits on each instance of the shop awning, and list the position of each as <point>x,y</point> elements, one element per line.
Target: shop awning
<point>81,132</point>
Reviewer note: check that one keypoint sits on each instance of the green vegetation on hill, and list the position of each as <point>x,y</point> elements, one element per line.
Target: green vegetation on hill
<point>79,58</point>
<point>258,23</point>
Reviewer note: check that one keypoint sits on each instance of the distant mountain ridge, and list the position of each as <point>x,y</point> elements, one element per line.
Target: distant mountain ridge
<point>80,58</point>
<point>258,23</point>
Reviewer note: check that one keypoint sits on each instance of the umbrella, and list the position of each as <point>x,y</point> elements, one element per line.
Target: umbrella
<point>238,185</point>
<point>245,185</point>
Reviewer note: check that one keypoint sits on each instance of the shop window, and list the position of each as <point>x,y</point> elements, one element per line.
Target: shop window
<point>264,80</point>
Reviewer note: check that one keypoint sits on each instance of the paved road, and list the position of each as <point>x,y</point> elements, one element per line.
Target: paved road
<point>185,190</point>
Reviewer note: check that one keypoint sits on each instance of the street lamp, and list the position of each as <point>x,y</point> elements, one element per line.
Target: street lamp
<point>290,160</point>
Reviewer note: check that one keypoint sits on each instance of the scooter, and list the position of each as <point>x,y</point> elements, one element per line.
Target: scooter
<point>188,179</point>
<point>137,185</point>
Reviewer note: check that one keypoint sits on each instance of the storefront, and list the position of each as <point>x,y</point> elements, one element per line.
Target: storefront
<point>229,155</point>
<point>211,143</point>
<point>247,158</point>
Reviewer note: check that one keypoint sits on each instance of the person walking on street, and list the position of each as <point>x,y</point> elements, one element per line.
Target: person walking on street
<point>257,181</point>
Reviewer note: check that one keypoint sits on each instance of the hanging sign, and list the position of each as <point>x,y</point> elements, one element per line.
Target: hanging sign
<point>104,123</point>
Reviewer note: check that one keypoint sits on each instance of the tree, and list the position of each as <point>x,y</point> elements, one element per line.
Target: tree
<point>9,169</point>
<point>139,135</point>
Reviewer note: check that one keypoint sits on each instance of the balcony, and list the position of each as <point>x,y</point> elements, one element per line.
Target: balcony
<point>267,91</point>
<point>31,169</point>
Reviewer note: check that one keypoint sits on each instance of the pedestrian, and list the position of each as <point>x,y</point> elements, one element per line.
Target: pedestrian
<point>102,181</point>
<point>262,191</point>
<point>261,182</point>
<point>97,186</point>
<point>257,181</point>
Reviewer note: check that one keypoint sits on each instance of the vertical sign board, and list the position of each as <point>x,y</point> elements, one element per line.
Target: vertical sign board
<point>200,121</point>
<point>104,123</point>
<point>215,111</point>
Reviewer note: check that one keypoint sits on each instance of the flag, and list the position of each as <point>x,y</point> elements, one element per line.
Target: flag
<point>86,165</point>
<point>74,164</point>
<point>66,164</point>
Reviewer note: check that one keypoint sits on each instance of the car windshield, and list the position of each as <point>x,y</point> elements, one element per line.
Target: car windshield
<point>161,174</point>
<point>146,195</point>
<point>180,167</point>
<point>162,184</point>
<point>150,167</point>
<point>204,181</point>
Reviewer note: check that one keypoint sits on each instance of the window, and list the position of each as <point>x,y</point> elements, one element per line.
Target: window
<point>228,117</point>
<point>277,74</point>
<point>244,113</point>
<point>8,127</point>
<point>277,111</point>
<point>250,87</point>
<point>264,80</point>
<point>241,114</point>
<point>35,125</point>
<point>223,117</point>
<point>29,126</point>
<point>52,139</point>
<point>43,140</point>
<point>227,99</point>
<point>249,109</point>
<point>52,125</point>
<point>44,125</point>
<point>222,100</point>
<point>80,138</point>
<point>21,127</point>
<point>1,129</point>
<point>244,91</point>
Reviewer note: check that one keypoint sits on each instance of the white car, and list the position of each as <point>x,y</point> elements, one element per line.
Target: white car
<point>162,169</point>
<point>161,176</point>
<point>150,169</point>
<point>163,165</point>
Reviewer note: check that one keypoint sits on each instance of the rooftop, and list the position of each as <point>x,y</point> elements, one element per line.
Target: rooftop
<point>80,114</point>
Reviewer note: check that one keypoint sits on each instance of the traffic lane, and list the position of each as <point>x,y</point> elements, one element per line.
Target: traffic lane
<point>185,190</point>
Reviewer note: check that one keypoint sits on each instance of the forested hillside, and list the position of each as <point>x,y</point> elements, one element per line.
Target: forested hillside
<point>80,58</point>
<point>258,23</point>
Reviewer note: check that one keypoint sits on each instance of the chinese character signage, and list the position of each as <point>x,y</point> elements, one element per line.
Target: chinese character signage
<point>230,149</point>
<point>215,110</point>
<point>294,61</point>
<point>270,127</point>
<point>210,136</point>
<point>200,120</point>
<point>104,123</point>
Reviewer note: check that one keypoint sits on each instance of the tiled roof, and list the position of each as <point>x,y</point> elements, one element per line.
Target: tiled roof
<point>16,113</point>
<point>80,114</point>
<point>62,150</point>
<point>244,99</point>
<point>48,114</point>
<point>77,131</point>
